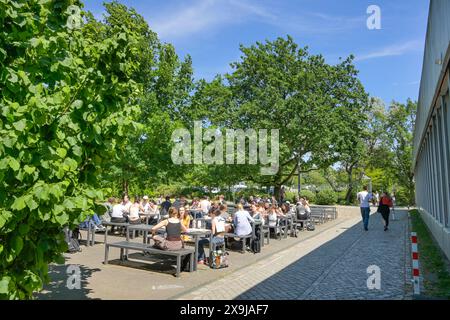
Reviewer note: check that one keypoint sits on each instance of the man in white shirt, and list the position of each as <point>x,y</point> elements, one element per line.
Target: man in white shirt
<point>145,204</point>
<point>364,198</point>
<point>205,205</point>
<point>120,209</point>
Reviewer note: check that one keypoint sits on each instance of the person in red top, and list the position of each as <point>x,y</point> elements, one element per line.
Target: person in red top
<point>384,208</point>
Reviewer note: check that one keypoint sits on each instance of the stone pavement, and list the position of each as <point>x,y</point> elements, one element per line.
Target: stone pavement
<point>331,265</point>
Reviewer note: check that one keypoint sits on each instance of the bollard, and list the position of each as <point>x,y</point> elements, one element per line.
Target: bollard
<point>415,263</point>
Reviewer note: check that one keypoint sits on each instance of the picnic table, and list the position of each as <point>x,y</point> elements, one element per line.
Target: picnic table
<point>194,233</point>
<point>147,216</point>
<point>196,214</point>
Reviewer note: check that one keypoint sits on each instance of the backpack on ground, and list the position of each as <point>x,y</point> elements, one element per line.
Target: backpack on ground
<point>256,242</point>
<point>310,226</point>
<point>72,241</point>
<point>218,259</point>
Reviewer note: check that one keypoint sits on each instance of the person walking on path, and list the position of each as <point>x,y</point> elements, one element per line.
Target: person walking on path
<point>364,198</point>
<point>385,208</point>
<point>393,206</point>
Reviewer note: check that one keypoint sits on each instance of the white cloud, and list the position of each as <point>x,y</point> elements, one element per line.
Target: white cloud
<point>205,15</point>
<point>392,50</point>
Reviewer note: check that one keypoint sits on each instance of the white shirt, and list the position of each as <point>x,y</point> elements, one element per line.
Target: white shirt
<point>220,224</point>
<point>146,207</point>
<point>205,205</point>
<point>364,197</point>
<point>134,212</point>
<point>117,211</point>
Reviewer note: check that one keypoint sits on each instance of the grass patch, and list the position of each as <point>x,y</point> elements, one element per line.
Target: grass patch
<point>433,263</point>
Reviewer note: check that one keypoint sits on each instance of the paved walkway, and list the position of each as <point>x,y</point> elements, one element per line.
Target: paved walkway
<point>331,265</point>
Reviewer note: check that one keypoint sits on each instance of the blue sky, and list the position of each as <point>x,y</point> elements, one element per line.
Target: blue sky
<point>389,60</point>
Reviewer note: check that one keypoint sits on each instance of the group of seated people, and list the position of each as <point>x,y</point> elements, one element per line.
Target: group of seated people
<point>181,215</point>
<point>177,217</point>
<point>135,212</point>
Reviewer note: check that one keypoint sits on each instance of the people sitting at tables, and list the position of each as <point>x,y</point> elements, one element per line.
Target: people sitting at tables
<point>257,214</point>
<point>213,208</point>
<point>285,208</point>
<point>93,220</point>
<point>135,209</point>
<point>174,228</point>
<point>275,215</point>
<point>205,205</point>
<point>185,219</point>
<point>145,204</point>
<point>153,213</point>
<point>109,209</point>
<point>195,204</point>
<point>120,210</point>
<point>221,199</point>
<point>180,202</point>
<point>242,221</point>
<point>224,212</point>
<point>223,208</point>
<point>165,206</point>
<point>272,216</point>
<point>302,210</point>
<point>217,230</point>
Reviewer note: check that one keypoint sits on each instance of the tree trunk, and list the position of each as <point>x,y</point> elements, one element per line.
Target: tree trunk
<point>348,195</point>
<point>125,186</point>
<point>276,192</point>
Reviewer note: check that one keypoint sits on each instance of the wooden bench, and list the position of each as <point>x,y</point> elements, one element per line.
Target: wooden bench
<point>125,245</point>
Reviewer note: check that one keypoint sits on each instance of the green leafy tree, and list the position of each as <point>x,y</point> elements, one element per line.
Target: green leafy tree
<point>143,157</point>
<point>278,85</point>
<point>400,127</point>
<point>67,97</point>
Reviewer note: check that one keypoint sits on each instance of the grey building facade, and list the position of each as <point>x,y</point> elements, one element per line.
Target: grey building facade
<point>432,136</point>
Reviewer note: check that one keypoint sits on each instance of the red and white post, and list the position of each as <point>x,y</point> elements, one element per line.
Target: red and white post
<point>415,263</point>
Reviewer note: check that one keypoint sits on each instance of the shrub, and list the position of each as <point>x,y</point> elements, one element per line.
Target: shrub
<point>308,194</point>
<point>326,197</point>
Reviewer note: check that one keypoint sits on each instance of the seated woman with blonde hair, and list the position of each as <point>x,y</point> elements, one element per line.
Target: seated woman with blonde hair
<point>174,228</point>
<point>185,218</point>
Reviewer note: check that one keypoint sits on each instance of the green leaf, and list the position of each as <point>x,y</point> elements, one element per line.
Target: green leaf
<point>4,285</point>
<point>19,203</point>
<point>62,218</point>
<point>29,169</point>
<point>4,216</point>
<point>14,164</point>
<point>77,104</point>
<point>61,152</point>
<point>71,164</point>
<point>77,151</point>
<point>20,125</point>
<point>31,204</point>
<point>16,244</point>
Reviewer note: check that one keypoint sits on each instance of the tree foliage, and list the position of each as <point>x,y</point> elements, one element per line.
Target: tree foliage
<point>276,85</point>
<point>67,97</point>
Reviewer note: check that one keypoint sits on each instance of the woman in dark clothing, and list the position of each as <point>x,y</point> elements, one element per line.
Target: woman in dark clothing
<point>384,208</point>
<point>174,228</point>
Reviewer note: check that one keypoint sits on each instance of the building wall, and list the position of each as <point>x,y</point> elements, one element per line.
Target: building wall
<point>432,131</point>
